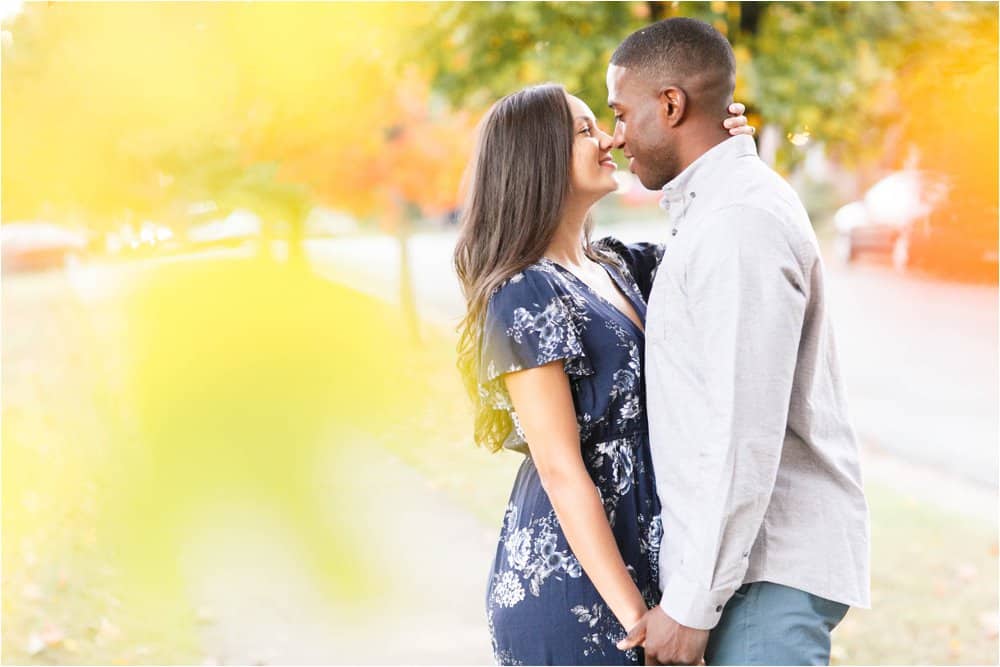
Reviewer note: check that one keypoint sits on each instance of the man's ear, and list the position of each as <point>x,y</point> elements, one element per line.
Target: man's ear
<point>673,105</point>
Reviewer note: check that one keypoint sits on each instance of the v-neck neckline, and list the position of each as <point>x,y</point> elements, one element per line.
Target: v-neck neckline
<point>624,290</point>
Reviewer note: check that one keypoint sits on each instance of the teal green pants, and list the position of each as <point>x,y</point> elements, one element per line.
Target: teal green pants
<point>770,624</point>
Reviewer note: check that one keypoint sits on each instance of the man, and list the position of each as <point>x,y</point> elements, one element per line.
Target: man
<point>765,525</point>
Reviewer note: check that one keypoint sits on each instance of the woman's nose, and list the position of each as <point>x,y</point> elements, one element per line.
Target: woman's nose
<point>606,140</point>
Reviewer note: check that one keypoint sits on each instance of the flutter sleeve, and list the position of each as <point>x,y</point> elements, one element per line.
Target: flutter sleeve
<point>529,322</point>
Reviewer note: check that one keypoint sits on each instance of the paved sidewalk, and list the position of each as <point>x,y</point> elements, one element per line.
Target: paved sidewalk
<point>431,559</point>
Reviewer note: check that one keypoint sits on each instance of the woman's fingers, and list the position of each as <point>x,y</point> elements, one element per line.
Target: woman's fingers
<point>738,125</point>
<point>737,122</point>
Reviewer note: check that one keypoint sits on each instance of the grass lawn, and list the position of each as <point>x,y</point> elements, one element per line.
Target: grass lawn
<point>66,602</point>
<point>64,598</point>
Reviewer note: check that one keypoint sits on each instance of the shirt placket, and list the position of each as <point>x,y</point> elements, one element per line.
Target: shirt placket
<point>676,205</point>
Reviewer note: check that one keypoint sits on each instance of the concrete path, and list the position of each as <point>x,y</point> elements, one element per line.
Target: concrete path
<point>429,559</point>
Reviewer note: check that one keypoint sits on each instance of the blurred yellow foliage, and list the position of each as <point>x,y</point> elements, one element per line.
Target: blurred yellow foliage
<point>96,94</point>
<point>245,381</point>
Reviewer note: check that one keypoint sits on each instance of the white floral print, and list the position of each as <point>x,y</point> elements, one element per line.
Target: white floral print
<point>508,590</point>
<point>519,548</point>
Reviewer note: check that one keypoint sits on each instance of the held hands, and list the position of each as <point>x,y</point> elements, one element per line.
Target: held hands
<point>737,122</point>
<point>666,641</point>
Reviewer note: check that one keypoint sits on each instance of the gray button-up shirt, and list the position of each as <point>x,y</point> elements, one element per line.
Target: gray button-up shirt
<point>756,460</point>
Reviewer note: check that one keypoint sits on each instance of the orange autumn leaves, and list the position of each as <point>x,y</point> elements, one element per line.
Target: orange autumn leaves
<point>98,93</point>
<point>409,153</point>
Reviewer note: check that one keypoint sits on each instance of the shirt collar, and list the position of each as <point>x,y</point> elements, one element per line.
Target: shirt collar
<point>687,183</point>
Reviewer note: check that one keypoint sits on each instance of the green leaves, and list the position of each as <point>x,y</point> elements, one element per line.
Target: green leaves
<point>826,68</point>
<point>478,52</point>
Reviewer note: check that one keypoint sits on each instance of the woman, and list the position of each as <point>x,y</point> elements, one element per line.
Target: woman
<point>551,349</point>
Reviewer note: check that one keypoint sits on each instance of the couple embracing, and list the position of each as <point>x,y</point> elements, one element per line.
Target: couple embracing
<point>691,488</point>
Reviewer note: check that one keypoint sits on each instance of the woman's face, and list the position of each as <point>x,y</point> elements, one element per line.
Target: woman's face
<point>592,169</point>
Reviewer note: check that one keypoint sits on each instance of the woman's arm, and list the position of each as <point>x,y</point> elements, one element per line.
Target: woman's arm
<point>544,405</point>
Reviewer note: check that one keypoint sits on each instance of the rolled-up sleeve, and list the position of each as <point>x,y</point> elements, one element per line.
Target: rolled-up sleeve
<point>746,295</point>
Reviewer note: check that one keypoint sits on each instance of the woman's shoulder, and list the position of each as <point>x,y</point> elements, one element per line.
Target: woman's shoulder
<point>531,320</point>
<point>536,281</point>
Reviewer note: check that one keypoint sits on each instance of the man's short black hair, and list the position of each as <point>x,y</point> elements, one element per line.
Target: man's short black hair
<point>677,47</point>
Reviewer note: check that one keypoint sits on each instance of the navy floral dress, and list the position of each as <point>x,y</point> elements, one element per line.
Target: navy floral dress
<point>541,607</point>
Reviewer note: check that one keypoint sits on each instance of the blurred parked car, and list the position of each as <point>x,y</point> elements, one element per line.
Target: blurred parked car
<point>922,220</point>
<point>853,232</point>
<point>874,224</point>
<point>35,246</point>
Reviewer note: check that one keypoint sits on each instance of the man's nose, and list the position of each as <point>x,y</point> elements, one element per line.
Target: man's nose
<point>618,139</point>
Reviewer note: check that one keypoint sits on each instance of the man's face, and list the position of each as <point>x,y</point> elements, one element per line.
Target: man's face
<point>641,128</point>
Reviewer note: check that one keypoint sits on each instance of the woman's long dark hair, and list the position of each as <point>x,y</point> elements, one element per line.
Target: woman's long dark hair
<point>517,186</point>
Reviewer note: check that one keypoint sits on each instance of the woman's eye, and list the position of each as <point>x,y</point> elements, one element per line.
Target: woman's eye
<point>585,130</point>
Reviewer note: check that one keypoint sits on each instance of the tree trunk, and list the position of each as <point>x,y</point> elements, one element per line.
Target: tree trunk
<point>749,17</point>
<point>662,10</point>
<point>768,144</point>
<point>407,300</point>
<point>296,243</point>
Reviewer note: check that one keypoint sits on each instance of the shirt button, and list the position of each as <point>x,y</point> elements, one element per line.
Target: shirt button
<point>718,609</point>
<point>673,232</point>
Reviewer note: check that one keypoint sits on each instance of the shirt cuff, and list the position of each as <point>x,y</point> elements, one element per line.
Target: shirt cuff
<point>693,606</point>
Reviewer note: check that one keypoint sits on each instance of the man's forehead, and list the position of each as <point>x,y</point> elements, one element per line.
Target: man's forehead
<point>618,77</point>
<point>616,73</point>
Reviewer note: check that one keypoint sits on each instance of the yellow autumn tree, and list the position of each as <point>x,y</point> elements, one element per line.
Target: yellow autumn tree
<point>112,106</point>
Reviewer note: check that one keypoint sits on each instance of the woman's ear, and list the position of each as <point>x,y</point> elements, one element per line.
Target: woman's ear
<point>673,105</point>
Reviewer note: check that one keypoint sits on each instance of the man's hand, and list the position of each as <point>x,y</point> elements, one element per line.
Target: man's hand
<point>666,641</point>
